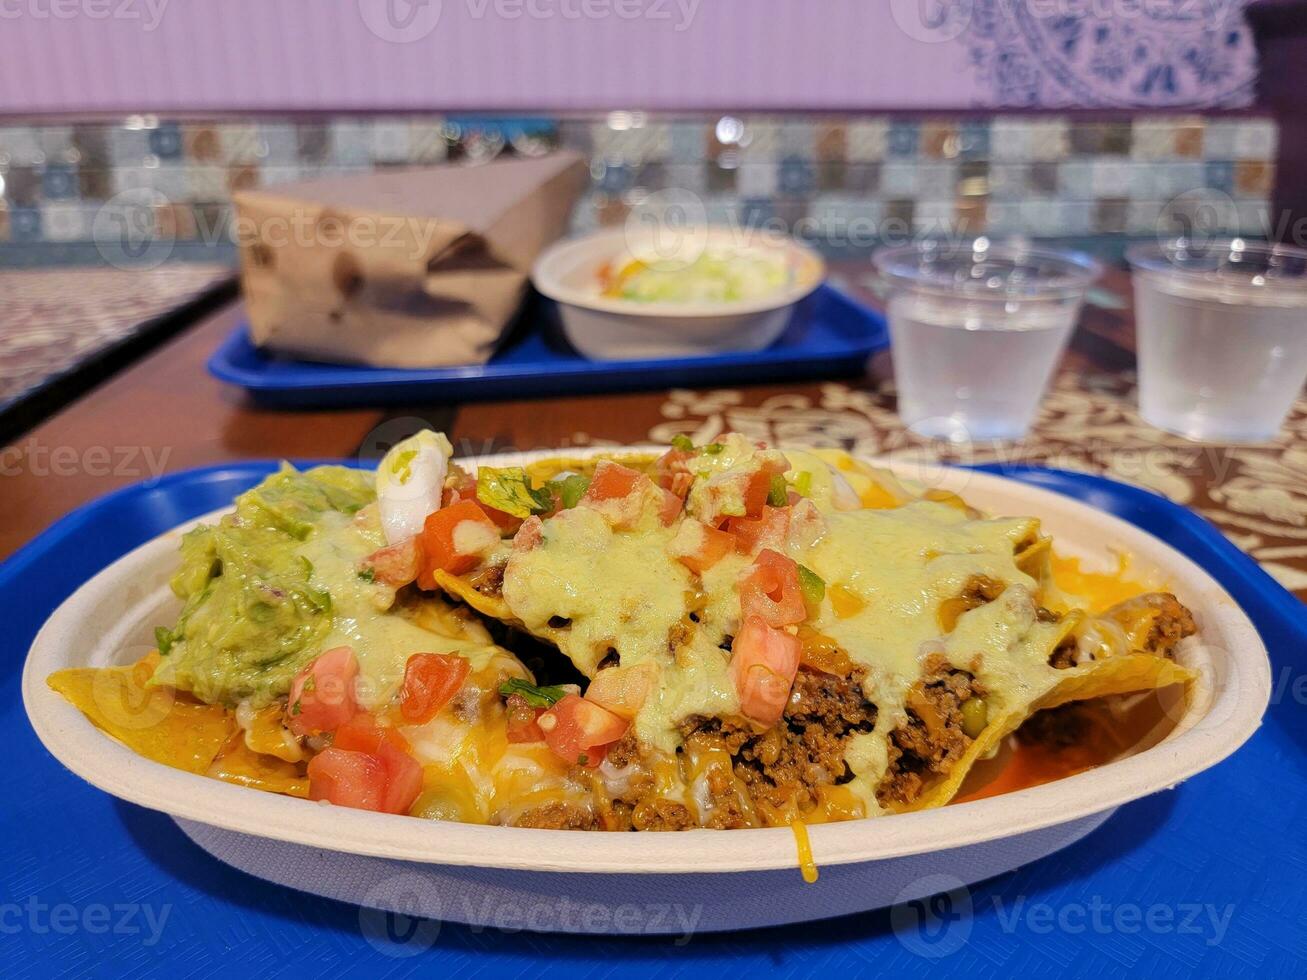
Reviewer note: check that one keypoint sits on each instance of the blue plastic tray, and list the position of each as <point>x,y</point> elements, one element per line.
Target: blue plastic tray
<point>830,335</point>
<point>1219,867</point>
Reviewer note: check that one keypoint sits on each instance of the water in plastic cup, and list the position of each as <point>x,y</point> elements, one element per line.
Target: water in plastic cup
<point>1222,336</point>
<point>976,330</point>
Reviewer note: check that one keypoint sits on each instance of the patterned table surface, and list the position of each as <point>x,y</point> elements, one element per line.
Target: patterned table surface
<point>53,319</point>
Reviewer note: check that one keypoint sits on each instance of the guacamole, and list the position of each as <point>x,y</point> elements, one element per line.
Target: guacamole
<point>256,610</point>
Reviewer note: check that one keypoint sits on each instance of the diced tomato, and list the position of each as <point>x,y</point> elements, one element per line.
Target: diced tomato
<point>530,534</point>
<point>362,734</point>
<point>757,487</point>
<point>672,471</point>
<point>577,729</point>
<point>401,776</point>
<point>386,780</point>
<point>403,779</point>
<point>670,508</point>
<point>611,481</point>
<point>398,564</point>
<point>770,590</point>
<point>322,694</point>
<point>700,547</point>
<point>441,537</point>
<point>681,483</point>
<point>430,682</point>
<point>623,690</point>
<point>345,778</point>
<point>764,661</point>
<point>522,720</point>
<point>619,493</point>
<point>769,529</point>
<point>504,521</point>
<point>461,485</point>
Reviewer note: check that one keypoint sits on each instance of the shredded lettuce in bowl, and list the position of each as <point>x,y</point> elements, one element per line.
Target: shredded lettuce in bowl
<point>714,277</point>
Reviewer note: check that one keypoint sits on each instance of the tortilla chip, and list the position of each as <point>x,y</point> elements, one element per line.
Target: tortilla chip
<point>543,470</point>
<point>1126,674</point>
<point>493,606</point>
<point>241,765</point>
<point>879,489</point>
<point>156,722</point>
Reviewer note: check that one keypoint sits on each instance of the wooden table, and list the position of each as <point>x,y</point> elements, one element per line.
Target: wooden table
<point>165,413</point>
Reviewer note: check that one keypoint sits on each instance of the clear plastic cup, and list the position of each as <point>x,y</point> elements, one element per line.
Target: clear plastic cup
<point>976,329</point>
<point>1222,336</point>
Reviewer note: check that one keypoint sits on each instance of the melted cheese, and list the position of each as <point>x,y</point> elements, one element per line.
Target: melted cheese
<point>383,636</point>
<point>889,567</point>
<point>807,866</point>
<point>596,586</point>
<point>621,590</point>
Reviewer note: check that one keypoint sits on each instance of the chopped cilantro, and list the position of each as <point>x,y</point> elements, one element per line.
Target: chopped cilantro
<point>713,448</point>
<point>163,639</point>
<point>537,697</point>
<point>368,574</point>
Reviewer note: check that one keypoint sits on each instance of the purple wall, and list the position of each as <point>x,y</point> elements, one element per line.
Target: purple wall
<point>138,55</point>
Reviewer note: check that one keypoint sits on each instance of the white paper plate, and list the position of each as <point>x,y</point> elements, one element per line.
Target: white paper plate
<point>736,879</point>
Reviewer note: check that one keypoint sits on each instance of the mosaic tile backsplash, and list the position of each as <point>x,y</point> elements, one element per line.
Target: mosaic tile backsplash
<point>1037,175</point>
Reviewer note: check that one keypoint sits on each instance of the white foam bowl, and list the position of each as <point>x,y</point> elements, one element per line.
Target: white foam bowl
<point>604,328</point>
<point>723,879</point>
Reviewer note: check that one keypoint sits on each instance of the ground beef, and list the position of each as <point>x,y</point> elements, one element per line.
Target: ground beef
<point>679,634</point>
<point>1064,654</point>
<point>559,816</point>
<point>638,807</point>
<point>490,580</point>
<point>931,741</point>
<point>655,813</point>
<point>1171,623</point>
<point>625,751</point>
<point>785,765</point>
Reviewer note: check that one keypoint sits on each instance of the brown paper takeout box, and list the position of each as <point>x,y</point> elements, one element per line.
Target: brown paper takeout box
<point>401,268</point>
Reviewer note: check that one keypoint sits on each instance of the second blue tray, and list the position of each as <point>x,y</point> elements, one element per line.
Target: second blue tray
<point>830,335</point>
